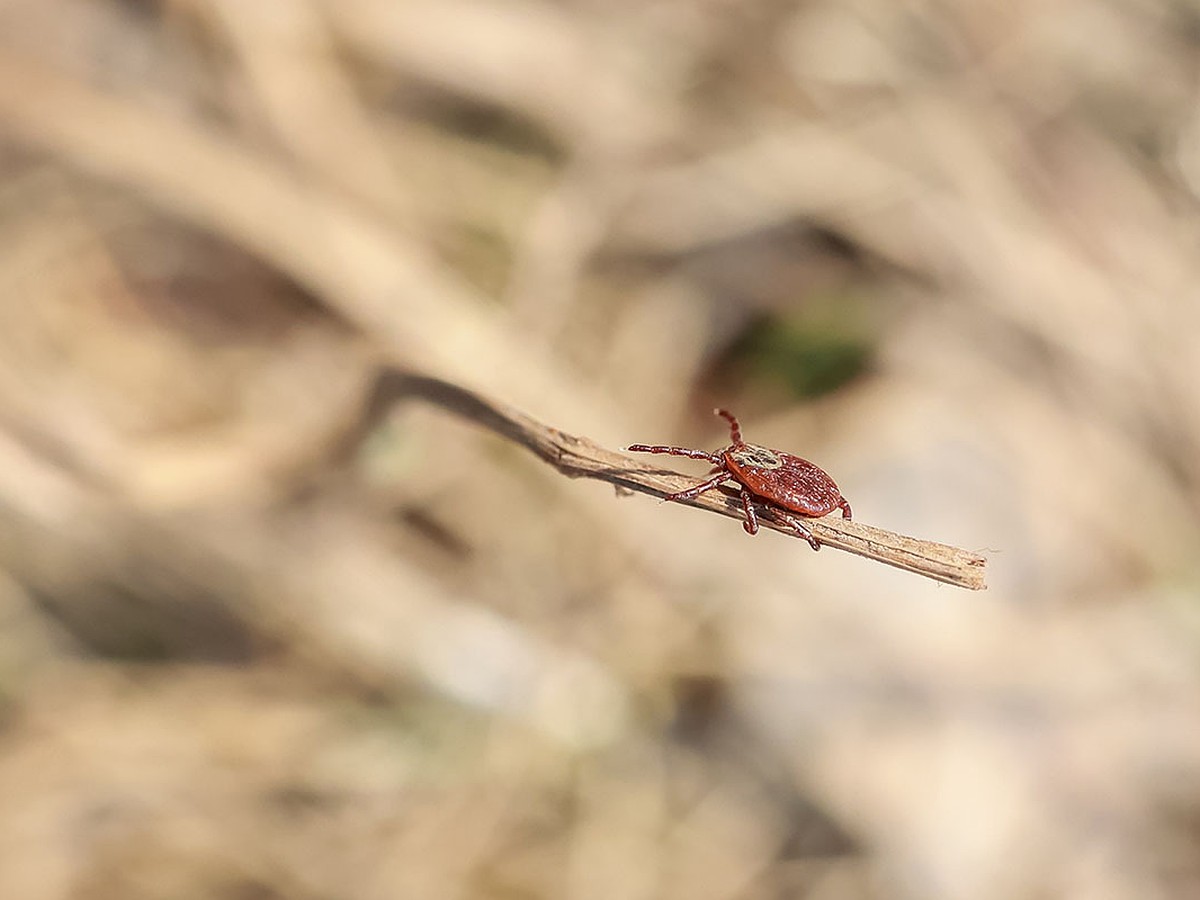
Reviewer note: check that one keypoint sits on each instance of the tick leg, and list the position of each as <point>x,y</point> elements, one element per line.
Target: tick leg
<point>803,530</point>
<point>698,489</point>
<point>735,430</point>
<point>751,523</point>
<point>845,509</point>
<point>713,458</point>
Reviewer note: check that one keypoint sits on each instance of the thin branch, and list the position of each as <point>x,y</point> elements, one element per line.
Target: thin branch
<point>578,457</point>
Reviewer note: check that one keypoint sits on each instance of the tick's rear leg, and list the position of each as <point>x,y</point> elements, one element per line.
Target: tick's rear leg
<point>845,507</point>
<point>803,530</point>
<point>751,523</point>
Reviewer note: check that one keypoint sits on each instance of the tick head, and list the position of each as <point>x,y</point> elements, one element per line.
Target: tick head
<point>753,456</point>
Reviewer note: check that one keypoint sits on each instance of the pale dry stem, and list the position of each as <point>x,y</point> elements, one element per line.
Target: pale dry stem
<point>579,457</point>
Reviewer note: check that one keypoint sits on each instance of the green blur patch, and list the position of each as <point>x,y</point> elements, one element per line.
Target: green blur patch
<point>810,354</point>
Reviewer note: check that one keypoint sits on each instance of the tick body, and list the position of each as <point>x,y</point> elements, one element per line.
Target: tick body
<point>784,483</point>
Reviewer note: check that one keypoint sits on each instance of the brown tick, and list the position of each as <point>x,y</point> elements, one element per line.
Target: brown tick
<point>781,482</point>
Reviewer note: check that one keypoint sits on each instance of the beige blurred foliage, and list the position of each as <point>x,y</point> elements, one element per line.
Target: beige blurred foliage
<point>263,636</point>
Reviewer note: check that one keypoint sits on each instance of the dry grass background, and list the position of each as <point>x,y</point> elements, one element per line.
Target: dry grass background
<point>264,636</point>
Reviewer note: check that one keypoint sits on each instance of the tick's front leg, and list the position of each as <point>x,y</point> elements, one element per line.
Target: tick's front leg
<point>751,523</point>
<point>698,489</point>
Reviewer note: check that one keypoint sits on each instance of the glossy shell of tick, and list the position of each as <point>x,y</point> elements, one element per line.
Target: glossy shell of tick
<point>783,483</point>
<point>785,480</point>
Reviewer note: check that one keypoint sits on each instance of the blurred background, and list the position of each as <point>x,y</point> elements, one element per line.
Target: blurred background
<point>270,629</point>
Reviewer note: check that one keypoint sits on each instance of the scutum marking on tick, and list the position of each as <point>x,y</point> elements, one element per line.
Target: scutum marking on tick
<point>754,455</point>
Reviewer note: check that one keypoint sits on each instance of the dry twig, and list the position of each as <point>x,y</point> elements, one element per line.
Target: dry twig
<point>578,457</point>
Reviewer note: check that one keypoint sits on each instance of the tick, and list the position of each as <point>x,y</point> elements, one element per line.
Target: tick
<point>783,483</point>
